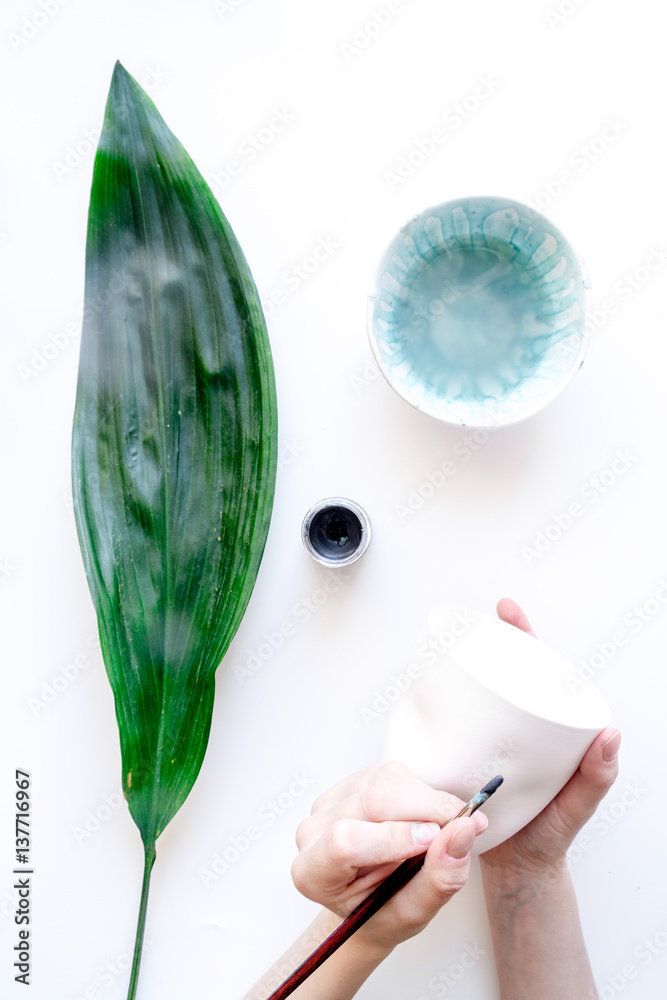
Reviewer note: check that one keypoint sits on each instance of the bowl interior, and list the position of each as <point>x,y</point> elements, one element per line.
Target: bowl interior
<point>477,315</point>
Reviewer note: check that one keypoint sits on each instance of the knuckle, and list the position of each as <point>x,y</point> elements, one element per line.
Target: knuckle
<point>413,918</point>
<point>396,767</point>
<point>379,792</point>
<point>301,833</point>
<point>298,875</point>
<point>446,884</point>
<point>607,779</point>
<point>320,802</point>
<point>342,840</point>
<point>376,799</point>
<point>396,844</point>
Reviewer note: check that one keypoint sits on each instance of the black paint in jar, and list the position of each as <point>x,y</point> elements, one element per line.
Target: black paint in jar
<point>336,531</point>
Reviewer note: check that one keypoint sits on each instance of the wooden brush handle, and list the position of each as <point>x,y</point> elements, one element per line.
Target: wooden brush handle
<point>378,897</point>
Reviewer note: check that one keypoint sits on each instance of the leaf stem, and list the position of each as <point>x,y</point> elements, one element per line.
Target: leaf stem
<point>141,923</point>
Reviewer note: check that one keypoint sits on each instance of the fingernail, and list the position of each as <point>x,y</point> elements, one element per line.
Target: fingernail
<point>610,748</point>
<point>424,833</point>
<point>461,843</point>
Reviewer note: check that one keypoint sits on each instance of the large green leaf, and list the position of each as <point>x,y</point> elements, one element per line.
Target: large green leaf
<point>173,448</point>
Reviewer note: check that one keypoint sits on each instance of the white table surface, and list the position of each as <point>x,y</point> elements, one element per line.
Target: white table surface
<point>219,74</point>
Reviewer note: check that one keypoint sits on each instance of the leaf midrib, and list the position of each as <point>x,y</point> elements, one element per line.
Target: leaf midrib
<point>153,314</point>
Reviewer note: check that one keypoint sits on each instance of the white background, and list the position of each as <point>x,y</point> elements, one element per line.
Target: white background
<point>359,100</point>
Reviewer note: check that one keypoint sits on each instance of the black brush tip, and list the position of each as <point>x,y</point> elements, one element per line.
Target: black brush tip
<point>492,786</point>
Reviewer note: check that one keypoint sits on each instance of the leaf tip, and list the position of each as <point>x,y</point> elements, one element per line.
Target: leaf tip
<point>122,83</point>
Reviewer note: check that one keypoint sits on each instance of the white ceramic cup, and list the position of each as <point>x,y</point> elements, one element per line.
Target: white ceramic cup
<point>489,699</point>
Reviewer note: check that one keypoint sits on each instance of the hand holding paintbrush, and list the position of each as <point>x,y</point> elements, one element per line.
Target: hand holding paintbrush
<point>359,831</point>
<point>382,893</point>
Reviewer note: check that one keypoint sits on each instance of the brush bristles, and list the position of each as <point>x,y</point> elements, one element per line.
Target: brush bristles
<point>492,786</point>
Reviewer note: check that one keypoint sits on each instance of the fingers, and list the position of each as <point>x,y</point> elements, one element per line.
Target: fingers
<point>597,772</point>
<point>378,794</point>
<point>364,827</point>
<point>320,873</point>
<point>351,782</point>
<point>510,612</point>
<point>445,872</point>
<point>332,862</point>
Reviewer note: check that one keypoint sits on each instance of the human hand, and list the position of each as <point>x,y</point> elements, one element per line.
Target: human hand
<point>541,845</point>
<point>361,829</point>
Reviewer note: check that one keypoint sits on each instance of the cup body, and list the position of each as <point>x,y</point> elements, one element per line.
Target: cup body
<point>489,700</point>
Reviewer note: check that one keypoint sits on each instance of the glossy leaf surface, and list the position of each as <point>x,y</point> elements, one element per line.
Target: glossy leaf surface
<point>174,445</point>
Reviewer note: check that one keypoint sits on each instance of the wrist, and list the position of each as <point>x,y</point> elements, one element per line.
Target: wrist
<point>523,875</point>
<point>365,947</point>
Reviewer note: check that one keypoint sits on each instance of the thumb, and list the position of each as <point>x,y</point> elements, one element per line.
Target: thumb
<point>598,770</point>
<point>510,612</point>
<point>445,871</point>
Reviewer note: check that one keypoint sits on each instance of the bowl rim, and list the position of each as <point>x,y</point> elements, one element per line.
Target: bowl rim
<point>493,422</point>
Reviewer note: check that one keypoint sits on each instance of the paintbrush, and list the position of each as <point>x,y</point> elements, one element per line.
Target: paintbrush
<point>369,906</point>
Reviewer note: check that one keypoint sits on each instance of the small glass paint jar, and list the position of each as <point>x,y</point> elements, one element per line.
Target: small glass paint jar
<point>336,531</point>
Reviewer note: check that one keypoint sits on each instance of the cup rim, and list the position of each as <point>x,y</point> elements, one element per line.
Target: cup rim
<point>602,708</point>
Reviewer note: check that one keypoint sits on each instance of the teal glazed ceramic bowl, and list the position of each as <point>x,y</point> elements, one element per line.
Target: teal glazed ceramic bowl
<point>478,313</point>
